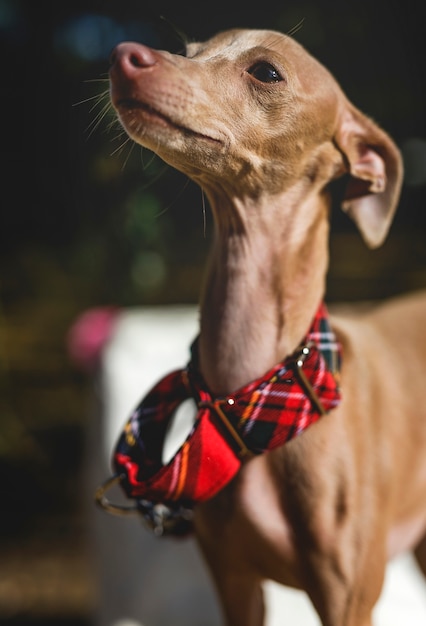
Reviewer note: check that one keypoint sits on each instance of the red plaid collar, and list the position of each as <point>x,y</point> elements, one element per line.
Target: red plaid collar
<point>262,415</point>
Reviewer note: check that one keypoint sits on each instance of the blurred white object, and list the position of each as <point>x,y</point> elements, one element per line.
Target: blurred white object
<point>150,581</point>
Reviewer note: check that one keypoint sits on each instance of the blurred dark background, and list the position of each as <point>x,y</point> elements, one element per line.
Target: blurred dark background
<point>87,220</point>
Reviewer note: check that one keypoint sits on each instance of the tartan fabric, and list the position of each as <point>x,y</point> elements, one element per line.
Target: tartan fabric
<point>260,416</point>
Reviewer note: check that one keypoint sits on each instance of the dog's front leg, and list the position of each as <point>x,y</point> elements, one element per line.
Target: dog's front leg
<point>341,602</point>
<point>237,581</point>
<point>241,597</point>
<point>340,542</point>
<point>338,601</point>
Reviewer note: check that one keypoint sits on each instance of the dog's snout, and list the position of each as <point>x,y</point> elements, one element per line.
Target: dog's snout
<point>132,57</point>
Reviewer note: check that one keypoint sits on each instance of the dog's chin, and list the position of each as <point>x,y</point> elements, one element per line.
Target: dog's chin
<point>135,115</point>
<point>194,154</point>
<point>144,123</point>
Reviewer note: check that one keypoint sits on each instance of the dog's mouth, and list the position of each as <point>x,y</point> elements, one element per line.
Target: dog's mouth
<point>130,105</point>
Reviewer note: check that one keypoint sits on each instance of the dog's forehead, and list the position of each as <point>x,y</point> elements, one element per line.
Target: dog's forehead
<point>234,43</point>
<point>237,43</point>
<point>303,71</point>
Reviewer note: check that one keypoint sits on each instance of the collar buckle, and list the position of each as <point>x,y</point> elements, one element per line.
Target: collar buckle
<point>244,452</point>
<point>298,360</point>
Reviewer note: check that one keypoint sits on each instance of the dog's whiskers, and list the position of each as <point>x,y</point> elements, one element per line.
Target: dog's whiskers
<point>290,33</point>
<point>178,33</point>
<point>98,100</point>
<point>178,195</point>
<point>101,95</point>
<point>97,97</point>
<point>132,145</point>
<point>296,28</point>
<point>97,121</point>
<point>147,165</point>
<point>120,148</point>
<point>203,199</point>
<point>114,123</point>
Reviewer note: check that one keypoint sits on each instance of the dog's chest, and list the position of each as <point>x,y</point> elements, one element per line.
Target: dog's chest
<point>260,504</point>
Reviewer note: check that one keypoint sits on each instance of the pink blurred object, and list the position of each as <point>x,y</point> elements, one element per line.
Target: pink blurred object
<point>88,335</point>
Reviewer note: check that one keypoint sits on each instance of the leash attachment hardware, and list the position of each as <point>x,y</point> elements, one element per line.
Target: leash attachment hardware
<point>105,504</point>
<point>160,518</point>
<point>163,519</point>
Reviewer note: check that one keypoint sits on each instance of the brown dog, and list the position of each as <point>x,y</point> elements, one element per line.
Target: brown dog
<point>263,128</point>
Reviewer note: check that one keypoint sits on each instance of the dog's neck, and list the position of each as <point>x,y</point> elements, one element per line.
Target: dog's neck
<point>264,281</point>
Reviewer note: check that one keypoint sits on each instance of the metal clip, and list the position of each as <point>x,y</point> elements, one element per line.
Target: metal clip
<point>165,520</point>
<point>102,501</point>
<point>160,518</point>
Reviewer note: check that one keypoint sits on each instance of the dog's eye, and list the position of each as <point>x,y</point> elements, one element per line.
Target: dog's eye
<point>265,73</point>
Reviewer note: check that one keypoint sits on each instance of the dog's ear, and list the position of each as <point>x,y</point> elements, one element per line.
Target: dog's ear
<point>375,175</point>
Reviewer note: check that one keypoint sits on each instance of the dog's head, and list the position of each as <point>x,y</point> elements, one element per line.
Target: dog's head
<point>251,112</point>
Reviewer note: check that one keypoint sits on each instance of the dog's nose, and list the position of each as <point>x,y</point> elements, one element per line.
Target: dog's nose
<point>131,57</point>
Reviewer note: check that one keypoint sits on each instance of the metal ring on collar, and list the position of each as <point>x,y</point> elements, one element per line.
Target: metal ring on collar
<point>102,501</point>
